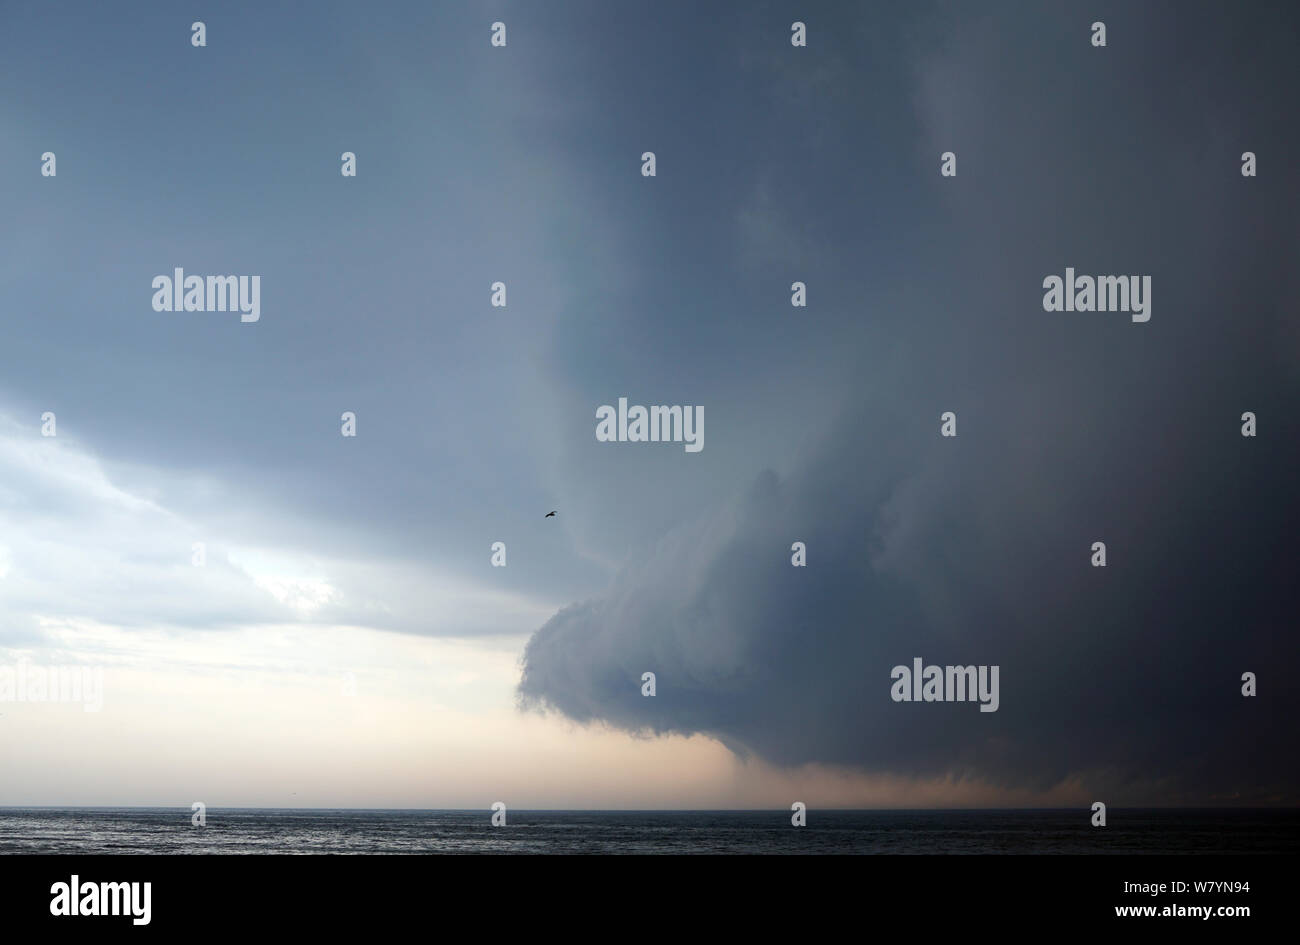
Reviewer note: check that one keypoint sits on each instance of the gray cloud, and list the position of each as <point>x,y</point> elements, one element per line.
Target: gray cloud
<point>1073,427</point>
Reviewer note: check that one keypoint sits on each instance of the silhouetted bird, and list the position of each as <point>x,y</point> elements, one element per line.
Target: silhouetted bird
<point>548,515</point>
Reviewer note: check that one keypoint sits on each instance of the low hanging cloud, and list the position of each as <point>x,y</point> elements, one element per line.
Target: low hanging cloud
<point>1126,676</point>
<point>1072,428</point>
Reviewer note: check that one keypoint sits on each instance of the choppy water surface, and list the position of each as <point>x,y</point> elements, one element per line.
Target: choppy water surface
<point>162,830</point>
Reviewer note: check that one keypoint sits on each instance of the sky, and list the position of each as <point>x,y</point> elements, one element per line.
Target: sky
<point>347,641</point>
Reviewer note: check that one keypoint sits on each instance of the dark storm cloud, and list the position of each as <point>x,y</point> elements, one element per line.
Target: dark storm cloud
<point>1073,427</point>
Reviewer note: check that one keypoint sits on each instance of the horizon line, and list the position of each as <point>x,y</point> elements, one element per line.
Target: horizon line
<point>645,810</point>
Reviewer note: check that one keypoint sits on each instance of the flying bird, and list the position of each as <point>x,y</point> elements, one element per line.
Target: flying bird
<point>548,515</point>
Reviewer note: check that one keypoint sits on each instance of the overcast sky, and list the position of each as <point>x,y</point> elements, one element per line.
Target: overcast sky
<point>348,642</point>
